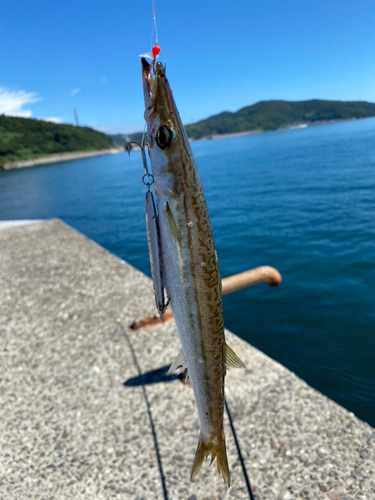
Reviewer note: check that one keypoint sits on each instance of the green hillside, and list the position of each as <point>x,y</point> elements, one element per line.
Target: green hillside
<point>25,139</point>
<point>120,139</point>
<point>271,115</point>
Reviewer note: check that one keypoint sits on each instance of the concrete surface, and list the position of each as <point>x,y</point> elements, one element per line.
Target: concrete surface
<point>85,414</point>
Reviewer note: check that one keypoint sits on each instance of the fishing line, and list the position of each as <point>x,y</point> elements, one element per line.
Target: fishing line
<point>152,35</point>
<point>247,480</point>
<point>143,135</point>
<point>155,49</point>
<point>154,15</point>
<point>154,27</point>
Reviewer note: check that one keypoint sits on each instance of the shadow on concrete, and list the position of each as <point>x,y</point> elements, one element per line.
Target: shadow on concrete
<point>161,375</point>
<point>153,430</point>
<point>153,377</point>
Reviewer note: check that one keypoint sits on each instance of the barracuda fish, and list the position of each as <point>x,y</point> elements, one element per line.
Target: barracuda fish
<point>190,270</point>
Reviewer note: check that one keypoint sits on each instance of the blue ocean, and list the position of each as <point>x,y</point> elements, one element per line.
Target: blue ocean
<point>300,200</point>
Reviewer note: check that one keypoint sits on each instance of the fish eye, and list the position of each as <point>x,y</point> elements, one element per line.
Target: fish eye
<point>165,136</point>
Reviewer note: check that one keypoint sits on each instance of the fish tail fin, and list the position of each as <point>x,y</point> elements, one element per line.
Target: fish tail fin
<point>203,450</point>
<point>217,451</point>
<point>222,461</point>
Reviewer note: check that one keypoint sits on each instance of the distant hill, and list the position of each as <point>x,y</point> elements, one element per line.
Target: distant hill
<point>272,115</point>
<point>120,139</point>
<point>26,138</point>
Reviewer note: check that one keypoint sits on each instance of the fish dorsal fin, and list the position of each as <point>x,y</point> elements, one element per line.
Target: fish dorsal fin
<point>179,364</point>
<point>232,360</point>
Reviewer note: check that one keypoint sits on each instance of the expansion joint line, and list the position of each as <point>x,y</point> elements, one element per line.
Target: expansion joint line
<point>247,480</point>
<point>158,457</point>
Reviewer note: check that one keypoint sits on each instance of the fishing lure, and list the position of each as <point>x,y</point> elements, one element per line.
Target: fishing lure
<point>153,236</point>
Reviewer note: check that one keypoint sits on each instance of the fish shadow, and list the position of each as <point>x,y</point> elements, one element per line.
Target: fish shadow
<point>154,377</point>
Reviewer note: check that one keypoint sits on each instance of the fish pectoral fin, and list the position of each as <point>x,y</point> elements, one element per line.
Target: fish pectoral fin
<point>232,360</point>
<point>178,365</point>
<point>172,224</point>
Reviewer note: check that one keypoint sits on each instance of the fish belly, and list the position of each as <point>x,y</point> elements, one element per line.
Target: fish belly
<point>193,285</point>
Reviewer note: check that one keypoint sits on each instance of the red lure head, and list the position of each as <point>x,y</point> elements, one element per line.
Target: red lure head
<point>155,50</point>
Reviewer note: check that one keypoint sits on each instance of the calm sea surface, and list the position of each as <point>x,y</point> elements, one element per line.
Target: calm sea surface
<point>301,200</point>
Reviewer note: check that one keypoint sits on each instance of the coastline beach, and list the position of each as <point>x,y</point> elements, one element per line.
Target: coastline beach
<point>57,158</point>
<point>61,157</point>
<point>290,126</point>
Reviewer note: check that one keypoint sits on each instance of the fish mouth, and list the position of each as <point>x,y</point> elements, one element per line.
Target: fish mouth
<point>149,81</point>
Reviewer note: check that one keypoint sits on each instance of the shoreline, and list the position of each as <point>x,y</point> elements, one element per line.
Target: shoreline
<point>76,155</point>
<point>292,126</point>
<point>57,158</point>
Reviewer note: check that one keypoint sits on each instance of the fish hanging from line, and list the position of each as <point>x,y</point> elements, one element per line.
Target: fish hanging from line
<point>189,268</point>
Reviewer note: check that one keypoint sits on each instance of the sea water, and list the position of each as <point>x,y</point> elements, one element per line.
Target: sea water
<point>300,200</point>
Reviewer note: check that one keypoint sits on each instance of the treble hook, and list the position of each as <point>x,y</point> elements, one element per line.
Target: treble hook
<point>144,160</point>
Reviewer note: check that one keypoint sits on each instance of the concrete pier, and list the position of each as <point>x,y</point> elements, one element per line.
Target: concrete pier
<point>88,412</point>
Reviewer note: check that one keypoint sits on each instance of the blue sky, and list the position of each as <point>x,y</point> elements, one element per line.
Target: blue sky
<point>221,55</point>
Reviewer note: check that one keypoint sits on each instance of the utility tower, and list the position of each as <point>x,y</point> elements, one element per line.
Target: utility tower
<point>76,117</point>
